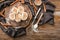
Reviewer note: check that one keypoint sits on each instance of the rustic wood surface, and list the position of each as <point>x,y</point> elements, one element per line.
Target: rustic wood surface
<point>56,3</point>
<point>47,32</point>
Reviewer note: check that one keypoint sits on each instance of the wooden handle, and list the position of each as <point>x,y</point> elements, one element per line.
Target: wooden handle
<point>44,7</point>
<point>39,18</point>
<point>41,13</point>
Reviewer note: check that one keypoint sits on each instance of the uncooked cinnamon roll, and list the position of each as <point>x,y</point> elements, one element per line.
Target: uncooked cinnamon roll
<point>12,16</point>
<point>14,10</point>
<point>18,17</point>
<point>24,15</point>
<point>20,9</point>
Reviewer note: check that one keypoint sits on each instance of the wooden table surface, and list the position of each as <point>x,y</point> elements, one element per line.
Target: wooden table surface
<point>47,32</point>
<point>56,3</point>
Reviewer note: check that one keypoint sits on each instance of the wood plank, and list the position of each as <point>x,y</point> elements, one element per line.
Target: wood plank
<point>56,3</point>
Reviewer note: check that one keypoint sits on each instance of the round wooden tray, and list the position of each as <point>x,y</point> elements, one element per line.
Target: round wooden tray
<point>22,23</point>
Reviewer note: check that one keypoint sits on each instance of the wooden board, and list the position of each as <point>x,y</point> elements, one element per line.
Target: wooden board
<point>56,3</point>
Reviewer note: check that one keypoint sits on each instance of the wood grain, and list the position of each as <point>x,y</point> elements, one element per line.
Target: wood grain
<point>56,3</point>
<point>47,32</point>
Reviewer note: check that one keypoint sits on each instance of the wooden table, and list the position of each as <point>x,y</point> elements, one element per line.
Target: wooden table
<point>56,3</point>
<point>47,32</point>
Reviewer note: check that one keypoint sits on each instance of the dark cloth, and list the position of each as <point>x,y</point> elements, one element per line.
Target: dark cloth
<point>5,4</point>
<point>48,15</point>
